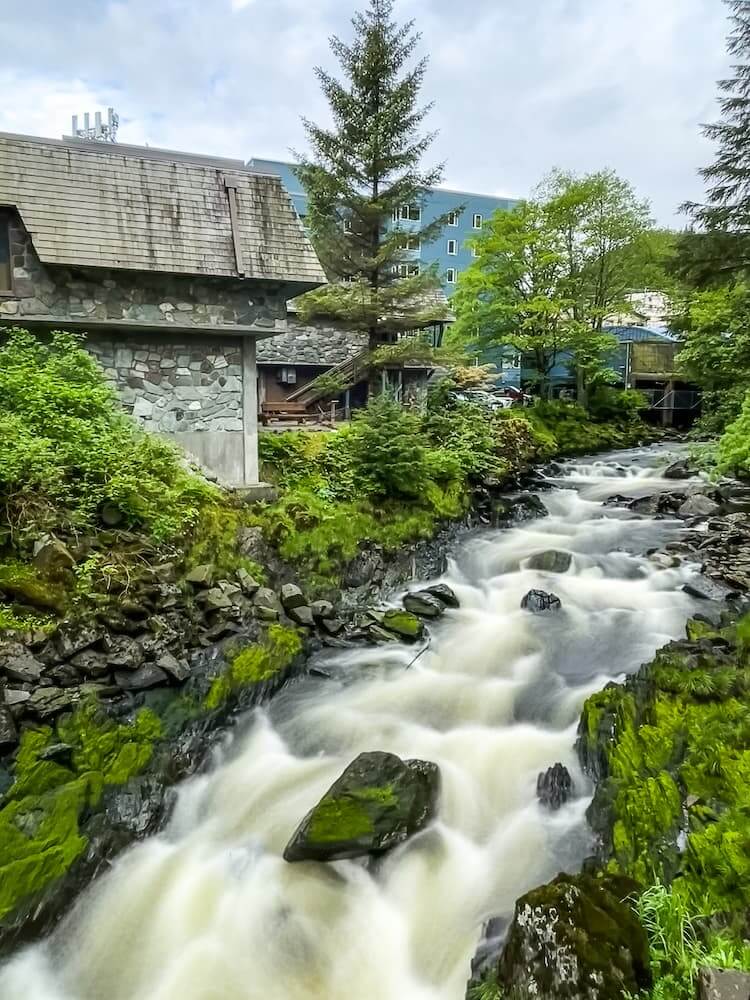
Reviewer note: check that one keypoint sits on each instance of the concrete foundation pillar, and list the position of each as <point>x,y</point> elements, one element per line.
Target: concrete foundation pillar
<point>250,411</point>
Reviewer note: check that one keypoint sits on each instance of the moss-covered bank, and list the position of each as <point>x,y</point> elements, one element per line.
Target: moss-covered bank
<point>670,751</point>
<point>53,787</point>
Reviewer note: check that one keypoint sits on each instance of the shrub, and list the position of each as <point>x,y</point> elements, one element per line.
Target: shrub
<point>617,405</point>
<point>387,449</point>
<point>733,455</point>
<point>66,447</point>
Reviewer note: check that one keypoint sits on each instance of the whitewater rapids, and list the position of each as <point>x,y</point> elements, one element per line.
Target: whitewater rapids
<point>209,910</point>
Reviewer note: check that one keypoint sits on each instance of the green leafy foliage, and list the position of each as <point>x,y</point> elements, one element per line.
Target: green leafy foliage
<point>66,448</point>
<point>733,453</point>
<point>549,273</point>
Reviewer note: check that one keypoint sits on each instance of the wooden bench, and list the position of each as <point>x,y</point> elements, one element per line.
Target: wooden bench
<point>284,412</point>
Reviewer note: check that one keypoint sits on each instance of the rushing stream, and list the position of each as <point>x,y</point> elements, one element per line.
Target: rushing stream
<point>210,911</point>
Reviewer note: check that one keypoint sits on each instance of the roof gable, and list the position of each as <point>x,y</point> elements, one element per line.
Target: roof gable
<point>126,208</point>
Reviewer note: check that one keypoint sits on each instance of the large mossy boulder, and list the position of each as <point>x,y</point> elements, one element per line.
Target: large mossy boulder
<point>377,803</point>
<point>577,938</point>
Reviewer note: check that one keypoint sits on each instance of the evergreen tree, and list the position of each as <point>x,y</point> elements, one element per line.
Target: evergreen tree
<point>365,185</point>
<point>728,177</point>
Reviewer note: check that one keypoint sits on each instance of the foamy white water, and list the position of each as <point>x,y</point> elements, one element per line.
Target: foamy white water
<point>210,911</point>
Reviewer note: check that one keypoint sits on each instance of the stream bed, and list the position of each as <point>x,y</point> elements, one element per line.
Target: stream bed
<point>209,910</point>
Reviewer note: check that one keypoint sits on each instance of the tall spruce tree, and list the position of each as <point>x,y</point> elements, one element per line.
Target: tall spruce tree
<point>728,177</point>
<point>721,245</point>
<point>365,184</point>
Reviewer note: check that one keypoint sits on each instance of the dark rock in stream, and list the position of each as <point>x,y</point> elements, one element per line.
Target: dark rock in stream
<point>699,505</point>
<point>577,938</point>
<point>539,602</point>
<point>551,561</point>
<point>423,604</point>
<point>554,787</point>
<point>507,511</point>
<point>444,594</point>
<point>377,803</point>
<point>680,470</point>
<point>708,590</point>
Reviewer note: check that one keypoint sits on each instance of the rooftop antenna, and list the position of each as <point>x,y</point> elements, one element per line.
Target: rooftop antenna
<point>100,132</point>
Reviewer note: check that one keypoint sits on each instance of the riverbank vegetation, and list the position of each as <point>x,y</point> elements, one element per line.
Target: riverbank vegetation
<point>394,475</point>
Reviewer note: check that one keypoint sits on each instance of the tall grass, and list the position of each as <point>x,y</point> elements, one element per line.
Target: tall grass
<point>679,949</point>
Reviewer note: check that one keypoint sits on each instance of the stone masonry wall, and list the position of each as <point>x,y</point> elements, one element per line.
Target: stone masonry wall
<point>316,343</point>
<point>60,295</point>
<point>175,387</point>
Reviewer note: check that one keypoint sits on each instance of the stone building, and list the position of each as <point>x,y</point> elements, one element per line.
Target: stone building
<point>172,265</point>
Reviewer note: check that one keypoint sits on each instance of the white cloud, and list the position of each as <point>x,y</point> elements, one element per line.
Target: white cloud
<point>517,88</point>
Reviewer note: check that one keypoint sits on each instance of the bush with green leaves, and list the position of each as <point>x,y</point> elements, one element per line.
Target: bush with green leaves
<point>733,453</point>
<point>66,447</point>
<point>619,406</point>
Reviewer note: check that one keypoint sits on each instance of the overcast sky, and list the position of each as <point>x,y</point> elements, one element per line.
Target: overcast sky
<point>520,86</point>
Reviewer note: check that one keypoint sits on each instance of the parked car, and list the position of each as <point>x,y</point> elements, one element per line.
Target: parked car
<point>480,397</point>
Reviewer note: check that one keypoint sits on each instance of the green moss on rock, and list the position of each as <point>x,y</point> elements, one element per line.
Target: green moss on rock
<point>671,750</point>
<point>256,664</point>
<point>403,623</point>
<point>40,814</point>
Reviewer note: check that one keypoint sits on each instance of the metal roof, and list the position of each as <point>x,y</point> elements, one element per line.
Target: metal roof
<point>637,333</point>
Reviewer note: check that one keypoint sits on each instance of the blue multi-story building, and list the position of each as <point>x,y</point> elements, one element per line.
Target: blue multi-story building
<point>450,252</point>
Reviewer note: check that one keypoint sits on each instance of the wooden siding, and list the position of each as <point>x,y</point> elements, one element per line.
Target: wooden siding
<point>97,206</point>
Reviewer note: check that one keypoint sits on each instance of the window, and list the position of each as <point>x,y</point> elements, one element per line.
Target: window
<point>409,213</point>
<point>406,270</point>
<point>411,243</point>
<point>474,252</point>
<point>452,247</point>
<point>477,224</point>
<point>347,225</point>
<point>450,275</point>
<point>452,218</point>
<point>6,272</point>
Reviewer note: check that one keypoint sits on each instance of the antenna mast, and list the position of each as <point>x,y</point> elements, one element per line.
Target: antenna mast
<point>100,132</point>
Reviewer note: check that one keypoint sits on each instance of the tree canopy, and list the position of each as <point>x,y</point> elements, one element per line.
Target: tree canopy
<point>549,273</point>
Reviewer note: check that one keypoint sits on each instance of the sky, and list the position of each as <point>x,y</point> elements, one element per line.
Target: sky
<point>519,86</point>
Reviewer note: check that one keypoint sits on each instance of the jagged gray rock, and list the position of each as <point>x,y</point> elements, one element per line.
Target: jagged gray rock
<point>291,597</point>
<point>17,663</point>
<point>539,602</point>
<point>423,604</point>
<point>444,594</point>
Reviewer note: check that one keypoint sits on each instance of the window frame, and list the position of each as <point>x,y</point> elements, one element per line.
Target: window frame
<point>474,252</point>
<point>451,271</point>
<point>402,270</point>
<point>454,251</point>
<point>5,218</point>
<point>477,215</point>
<point>404,213</point>
<point>409,238</point>
<point>453,219</point>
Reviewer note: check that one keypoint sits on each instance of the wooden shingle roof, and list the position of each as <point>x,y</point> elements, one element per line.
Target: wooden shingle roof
<point>92,204</point>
